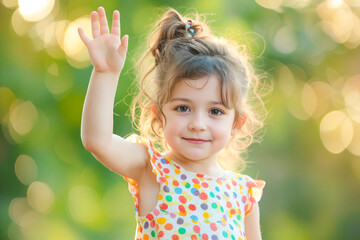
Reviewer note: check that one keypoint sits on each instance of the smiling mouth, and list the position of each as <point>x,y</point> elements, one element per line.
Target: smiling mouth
<point>196,140</point>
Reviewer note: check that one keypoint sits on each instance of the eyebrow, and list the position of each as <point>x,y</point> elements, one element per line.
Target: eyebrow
<point>188,100</point>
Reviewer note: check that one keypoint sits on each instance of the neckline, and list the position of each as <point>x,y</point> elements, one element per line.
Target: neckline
<point>198,175</point>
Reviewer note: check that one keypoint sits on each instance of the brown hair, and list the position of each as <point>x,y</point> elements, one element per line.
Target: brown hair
<point>171,56</point>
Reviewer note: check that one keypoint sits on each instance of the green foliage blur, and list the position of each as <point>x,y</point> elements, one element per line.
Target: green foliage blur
<point>52,188</point>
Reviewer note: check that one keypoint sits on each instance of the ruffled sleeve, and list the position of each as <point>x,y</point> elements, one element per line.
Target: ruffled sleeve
<point>254,192</point>
<point>156,164</point>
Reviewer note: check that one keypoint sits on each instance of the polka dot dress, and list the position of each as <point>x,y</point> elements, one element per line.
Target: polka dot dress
<point>194,206</point>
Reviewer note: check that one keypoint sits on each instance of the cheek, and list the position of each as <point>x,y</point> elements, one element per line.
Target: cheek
<point>223,130</point>
<point>173,126</point>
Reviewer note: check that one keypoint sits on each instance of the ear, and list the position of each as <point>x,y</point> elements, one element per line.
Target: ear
<point>155,115</point>
<point>238,123</point>
<point>154,110</point>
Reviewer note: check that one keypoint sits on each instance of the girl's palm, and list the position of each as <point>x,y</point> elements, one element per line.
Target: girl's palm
<point>107,52</point>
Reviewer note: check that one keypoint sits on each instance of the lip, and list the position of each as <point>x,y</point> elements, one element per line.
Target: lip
<point>196,140</point>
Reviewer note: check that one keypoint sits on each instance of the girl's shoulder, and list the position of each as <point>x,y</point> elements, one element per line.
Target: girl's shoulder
<point>253,186</point>
<point>153,152</point>
<point>161,166</point>
<point>252,190</point>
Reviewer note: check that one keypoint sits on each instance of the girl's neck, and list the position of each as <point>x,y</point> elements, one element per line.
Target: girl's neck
<point>208,167</point>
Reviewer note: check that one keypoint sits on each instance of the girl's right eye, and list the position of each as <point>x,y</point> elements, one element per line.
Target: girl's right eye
<point>182,109</point>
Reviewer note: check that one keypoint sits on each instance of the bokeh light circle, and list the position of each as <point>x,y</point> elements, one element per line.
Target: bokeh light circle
<point>23,115</point>
<point>25,169</point>
<point>336,131</point>
<point>35,10</point>
<point>73,47</point>
<point>40,197</point>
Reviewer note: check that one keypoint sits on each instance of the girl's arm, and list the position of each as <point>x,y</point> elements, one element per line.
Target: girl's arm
<point>107,53</point>
<point>252,224</point>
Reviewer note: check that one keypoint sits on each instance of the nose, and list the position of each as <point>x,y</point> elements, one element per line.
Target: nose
<point>197,122</point>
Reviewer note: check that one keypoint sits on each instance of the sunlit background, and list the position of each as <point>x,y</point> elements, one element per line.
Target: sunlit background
<point>52,188</point>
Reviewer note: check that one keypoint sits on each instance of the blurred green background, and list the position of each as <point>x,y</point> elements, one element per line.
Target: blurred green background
<point>52,188</point>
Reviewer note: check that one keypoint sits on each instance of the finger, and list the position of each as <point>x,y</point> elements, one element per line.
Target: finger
<point>95,25</point>
<point>115,29</point>
<point>83,36</point>
<point>123,46</point>
<point>104,28</point>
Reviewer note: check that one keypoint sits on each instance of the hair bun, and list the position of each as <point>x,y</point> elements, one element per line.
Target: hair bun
<point>171,26</point>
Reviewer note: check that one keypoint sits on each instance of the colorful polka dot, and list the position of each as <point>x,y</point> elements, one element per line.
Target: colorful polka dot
<point>182,199</point>
<point>204,206</point>
<point>203,196</point>
<point>163,206</point>
<point>192,207</point>
<point>194,218</point>
<point>182,230</point>
<point>204,184</point>
<point>213,226</point>
<point>161,220</point>
<point>168,198</point>
<point>178,190</point>
<point>180,221</point>
<point>169,226</point>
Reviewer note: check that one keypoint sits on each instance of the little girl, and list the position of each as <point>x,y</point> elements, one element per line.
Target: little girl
<point>192,105</point>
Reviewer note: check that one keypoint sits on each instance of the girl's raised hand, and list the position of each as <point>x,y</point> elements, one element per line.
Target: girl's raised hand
<point>107,52</point>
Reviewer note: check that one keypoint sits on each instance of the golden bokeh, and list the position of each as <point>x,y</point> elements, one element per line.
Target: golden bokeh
<point>40,197</point>
<point>73,47</point>
<point>23,116</point>
<point>285,40</point>
<point>35,10</point>
<point>336,131</point>
<point>25,169</point>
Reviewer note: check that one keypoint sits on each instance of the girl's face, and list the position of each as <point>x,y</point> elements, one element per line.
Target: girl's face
<point>197,125</point>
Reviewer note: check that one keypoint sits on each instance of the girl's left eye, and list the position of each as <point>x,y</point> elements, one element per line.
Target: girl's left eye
<point>216,112</point>
<point>182,109</point>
